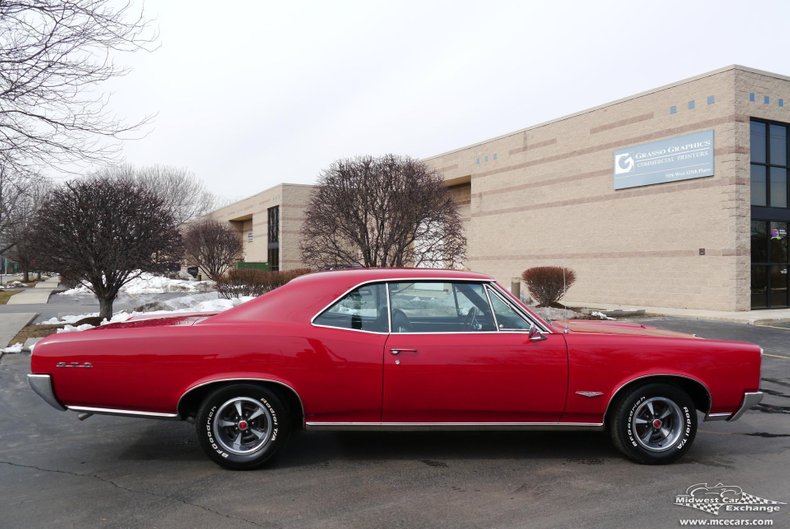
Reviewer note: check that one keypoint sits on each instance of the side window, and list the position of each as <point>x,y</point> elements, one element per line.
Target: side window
<point>507,319</point>
<point>364,309</point>
<point>425,306</point>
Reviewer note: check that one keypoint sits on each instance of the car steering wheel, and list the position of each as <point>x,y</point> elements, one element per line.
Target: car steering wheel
<point>471,319</point>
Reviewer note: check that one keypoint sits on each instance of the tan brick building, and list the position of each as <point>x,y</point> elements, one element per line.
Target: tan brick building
<point>660,232</point>
<point>269,224</point>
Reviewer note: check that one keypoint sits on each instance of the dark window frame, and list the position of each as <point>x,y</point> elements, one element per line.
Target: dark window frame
<point>767,165</point>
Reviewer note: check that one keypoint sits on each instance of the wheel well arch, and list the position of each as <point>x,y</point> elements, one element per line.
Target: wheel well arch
<point>699,394</point>
<point>189,403</point>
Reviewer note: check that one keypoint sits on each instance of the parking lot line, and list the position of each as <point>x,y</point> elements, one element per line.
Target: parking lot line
<point>772,326</point>
<point>777,356</point>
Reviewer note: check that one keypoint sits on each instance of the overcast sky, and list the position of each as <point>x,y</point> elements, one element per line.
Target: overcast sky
<point>249,94</point>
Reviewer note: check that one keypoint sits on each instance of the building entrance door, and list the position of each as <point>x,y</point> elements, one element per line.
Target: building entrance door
<point>770,265</point>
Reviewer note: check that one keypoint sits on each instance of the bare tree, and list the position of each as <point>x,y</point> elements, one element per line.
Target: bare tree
<point>387,211</point>
<point>212,245</point>
<point>54,54</point>
<point>184,194</point>
<point>20,229</point>
<point>181,191</point>
<point>105,231</point>
<point>12,188</point>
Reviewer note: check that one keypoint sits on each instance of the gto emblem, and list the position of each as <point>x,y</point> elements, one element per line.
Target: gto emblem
<point>74,364</point>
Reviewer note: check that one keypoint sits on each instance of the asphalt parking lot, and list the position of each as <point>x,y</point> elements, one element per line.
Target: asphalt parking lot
<point>58,472</point>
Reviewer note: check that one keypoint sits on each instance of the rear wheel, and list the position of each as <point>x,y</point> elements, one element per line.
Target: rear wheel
<point>242,426</point>
<point>654,424</point>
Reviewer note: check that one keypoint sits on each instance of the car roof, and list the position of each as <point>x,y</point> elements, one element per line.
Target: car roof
<point>302,298</point>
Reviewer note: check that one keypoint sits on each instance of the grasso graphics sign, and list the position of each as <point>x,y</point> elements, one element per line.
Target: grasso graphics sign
<point>670,160</point>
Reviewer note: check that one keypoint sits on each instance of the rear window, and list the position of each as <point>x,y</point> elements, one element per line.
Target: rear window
<point>362,309</point>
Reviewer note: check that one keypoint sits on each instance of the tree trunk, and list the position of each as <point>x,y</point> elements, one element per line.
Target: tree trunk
<point>105,307</point>
<point>25,276</point>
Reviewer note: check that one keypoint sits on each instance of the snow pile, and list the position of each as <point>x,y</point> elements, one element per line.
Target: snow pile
<point>600,315</point>
<point>550,313</point>
<point>16,348</point>
<point>147,283</point>
<point>197,303</point>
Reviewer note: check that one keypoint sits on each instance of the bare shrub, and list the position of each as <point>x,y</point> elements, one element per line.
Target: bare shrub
<point>548,284</point>
<point>212,245</point>
<point>251,282</point>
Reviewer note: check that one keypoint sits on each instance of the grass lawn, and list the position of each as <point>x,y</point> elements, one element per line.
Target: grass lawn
<point>5,294</point>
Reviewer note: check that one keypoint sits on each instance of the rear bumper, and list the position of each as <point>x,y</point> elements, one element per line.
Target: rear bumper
<point>749,401</point>
<point>42,385</point>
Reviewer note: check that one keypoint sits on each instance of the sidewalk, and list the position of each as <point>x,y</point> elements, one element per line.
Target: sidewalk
<point>11,324</point>
<point>38,294</point>
<point>746,316</point>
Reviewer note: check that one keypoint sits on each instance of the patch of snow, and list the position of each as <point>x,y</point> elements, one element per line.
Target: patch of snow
<point>16,348</point>
<point>600,315</point>
<point>147,283</point>
<point>72,328</point>
<point>68,319</point>
<point>550,313</point>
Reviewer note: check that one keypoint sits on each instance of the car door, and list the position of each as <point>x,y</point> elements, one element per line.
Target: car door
<point>452,357</point>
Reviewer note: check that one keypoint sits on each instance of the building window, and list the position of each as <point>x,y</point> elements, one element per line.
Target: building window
<point>274,224</point>
<point>770,154</point>
<point>273,259</point>
<point>769,164</point>
<point>273,238</point>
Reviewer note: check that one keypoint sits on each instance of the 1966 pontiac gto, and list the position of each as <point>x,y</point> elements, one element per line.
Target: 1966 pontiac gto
<point>392,349</point>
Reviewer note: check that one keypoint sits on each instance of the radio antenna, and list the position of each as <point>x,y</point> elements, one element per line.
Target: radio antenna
<point>564,306</point>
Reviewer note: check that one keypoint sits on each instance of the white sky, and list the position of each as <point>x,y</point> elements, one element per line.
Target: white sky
<point>253,93</point>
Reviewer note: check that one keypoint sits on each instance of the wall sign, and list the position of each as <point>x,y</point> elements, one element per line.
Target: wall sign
<point>678,158</point>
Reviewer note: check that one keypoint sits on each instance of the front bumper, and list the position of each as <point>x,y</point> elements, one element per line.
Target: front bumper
<point>42,385</point>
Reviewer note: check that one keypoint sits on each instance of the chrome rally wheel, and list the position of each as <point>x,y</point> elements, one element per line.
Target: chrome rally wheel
<point>653,423</point>
<point>657,424</point>
<point>242,426</point>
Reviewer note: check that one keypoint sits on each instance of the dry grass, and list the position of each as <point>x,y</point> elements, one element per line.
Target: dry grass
<point>35,331</point>
<point>5,294</point>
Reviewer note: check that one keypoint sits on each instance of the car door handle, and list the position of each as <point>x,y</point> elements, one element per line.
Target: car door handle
<point>402,350</point>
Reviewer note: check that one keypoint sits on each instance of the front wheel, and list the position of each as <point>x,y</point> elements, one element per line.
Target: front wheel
<point>654,424</point>
<point>242,426</point>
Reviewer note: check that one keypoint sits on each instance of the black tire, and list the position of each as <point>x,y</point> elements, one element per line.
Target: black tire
<point>247,440</point>
<point>653,424</point>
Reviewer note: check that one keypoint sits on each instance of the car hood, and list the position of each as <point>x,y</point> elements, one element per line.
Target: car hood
<point>615,327</point>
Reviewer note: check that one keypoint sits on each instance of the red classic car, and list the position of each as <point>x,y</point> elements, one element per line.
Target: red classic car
<point>397,349</point>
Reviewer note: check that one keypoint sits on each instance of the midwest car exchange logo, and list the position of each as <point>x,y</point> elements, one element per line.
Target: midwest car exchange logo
<point>729,498</point>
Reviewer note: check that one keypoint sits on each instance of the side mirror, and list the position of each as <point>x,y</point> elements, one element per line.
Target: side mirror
<point>535,335</point>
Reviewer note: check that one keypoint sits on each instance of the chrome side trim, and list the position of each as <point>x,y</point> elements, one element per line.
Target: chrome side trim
<point>42,385</point>
<point>491,282</point>
<point>242,379</point>
<point>717,417</point>
<point>123,413</point>
<point>750,399</point>
<point>455,426</point>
